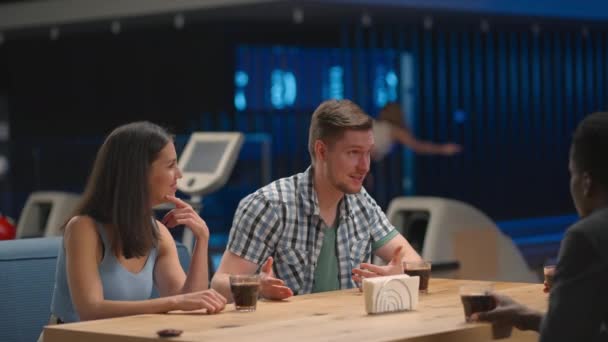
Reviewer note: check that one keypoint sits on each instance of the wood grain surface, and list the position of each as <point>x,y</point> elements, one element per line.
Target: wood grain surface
<point>334,316</point>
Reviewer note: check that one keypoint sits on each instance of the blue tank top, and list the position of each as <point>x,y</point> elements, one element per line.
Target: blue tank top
<point>118,283</point>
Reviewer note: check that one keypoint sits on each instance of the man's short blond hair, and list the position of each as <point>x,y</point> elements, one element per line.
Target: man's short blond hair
<point>332,118</point>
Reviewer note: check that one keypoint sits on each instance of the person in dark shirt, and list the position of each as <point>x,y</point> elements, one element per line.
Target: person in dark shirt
<point>578,301</point>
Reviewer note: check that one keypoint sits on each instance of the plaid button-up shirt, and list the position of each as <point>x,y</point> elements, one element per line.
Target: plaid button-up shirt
<point>282,220</point>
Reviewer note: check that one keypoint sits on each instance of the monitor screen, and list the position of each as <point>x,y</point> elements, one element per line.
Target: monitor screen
<point>206,156</point>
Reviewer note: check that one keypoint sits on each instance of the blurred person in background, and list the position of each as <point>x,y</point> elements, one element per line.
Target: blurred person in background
<point>390,128</point>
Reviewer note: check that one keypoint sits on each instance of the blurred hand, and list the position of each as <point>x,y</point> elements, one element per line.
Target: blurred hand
<point>546,287</point>
<point>186,215</point>
<point>208,299</point>
<point>450,149</point>
<point>271,287</point>
<point>365,270</point>
<point>510,313</point>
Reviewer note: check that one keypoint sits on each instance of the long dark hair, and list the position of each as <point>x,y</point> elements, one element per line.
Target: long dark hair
<point>117,191</point>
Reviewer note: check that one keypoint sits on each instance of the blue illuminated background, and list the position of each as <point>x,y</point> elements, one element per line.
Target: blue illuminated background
<point>509,91</point>
<point>488,92</point>
<point>287,78</point>
<point>280,86</point>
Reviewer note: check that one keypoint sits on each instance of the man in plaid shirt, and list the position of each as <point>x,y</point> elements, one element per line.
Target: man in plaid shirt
<point>315,231</point>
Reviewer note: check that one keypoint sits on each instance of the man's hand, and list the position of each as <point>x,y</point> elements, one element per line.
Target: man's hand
<point>365,270</point>
<point>511,313</point>
<point>271,287</point>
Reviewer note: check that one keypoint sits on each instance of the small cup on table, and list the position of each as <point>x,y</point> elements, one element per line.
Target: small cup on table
<point>478,298</point>
<point>245,289</point>
<point>421,269</point>
<point>549,273</point>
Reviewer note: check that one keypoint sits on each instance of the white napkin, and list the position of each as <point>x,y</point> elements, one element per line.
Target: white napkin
<point>390,293</point>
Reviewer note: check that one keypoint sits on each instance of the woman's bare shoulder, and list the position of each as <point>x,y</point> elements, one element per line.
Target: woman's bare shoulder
<point>81,227</point>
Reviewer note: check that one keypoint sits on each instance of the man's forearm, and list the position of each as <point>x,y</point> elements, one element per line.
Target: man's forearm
<point>221,284</point>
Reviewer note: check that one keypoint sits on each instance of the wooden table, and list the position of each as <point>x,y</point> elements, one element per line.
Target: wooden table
<point>336,316</point>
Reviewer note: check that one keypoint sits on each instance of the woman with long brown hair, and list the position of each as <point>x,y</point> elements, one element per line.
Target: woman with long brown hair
<point>114,252</point>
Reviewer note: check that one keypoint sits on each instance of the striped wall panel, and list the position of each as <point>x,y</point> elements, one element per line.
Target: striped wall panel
<point>511,96</point>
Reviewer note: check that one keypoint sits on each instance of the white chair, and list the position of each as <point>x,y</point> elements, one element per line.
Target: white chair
<point>457,231</point>
<point>45,213</point>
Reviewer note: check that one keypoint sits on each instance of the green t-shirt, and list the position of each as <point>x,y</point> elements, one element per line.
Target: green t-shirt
<point>326,272</point>
<point>327,269</point>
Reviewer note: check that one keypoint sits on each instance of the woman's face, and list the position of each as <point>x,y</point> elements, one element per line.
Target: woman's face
<point>164,174</point>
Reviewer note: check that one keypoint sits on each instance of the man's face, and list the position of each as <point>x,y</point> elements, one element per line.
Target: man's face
<point>347,160</point>
<point>579,189</point>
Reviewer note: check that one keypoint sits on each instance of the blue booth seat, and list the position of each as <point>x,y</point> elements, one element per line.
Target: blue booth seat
<point>27,277</point>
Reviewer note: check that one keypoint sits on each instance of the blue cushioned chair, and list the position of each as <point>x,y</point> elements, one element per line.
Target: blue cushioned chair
<point>27,277</point>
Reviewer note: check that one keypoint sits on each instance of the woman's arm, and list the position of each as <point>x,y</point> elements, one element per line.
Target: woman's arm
<point>168,273</point>
<point>406,138</point>
<point>169,276</point>
<point>83,250</point>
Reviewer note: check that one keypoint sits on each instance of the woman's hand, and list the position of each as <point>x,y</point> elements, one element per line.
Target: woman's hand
<point>208,299</point>
<point>186,215</point>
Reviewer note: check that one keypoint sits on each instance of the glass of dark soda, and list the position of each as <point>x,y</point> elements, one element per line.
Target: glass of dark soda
<point>245,289</point>
<point>476,298</point>
<point>421,269</point>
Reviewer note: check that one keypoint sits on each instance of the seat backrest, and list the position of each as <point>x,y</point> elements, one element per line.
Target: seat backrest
<point>27,277</point>
<point>184,255</point>
<point>45,212</point>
